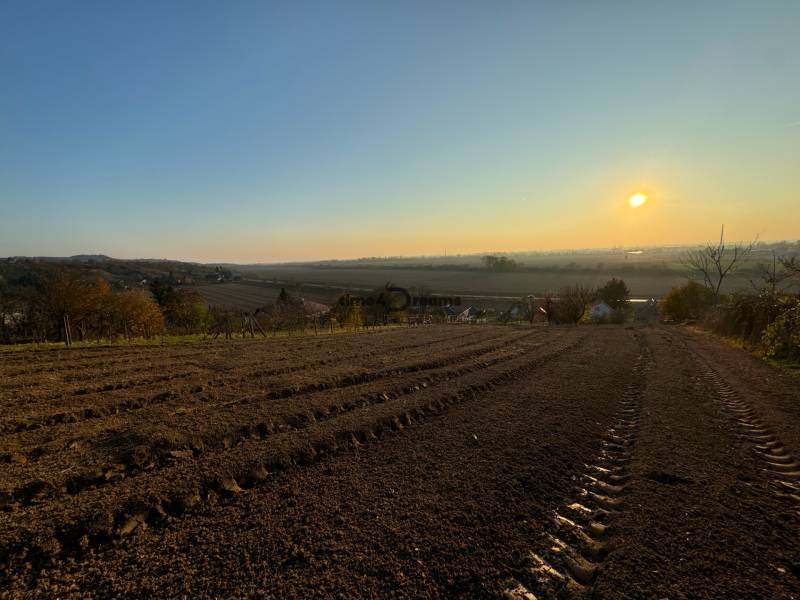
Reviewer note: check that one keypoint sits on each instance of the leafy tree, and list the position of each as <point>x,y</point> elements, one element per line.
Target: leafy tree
<point>615,293</point>
<point>100,320</point>
<point>136,314</point>
<point>186,310</point>
<point>64,295</point>
<point>161,291</point>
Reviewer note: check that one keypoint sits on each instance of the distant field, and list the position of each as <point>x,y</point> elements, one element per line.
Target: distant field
<point>470,283</point>
<point>250,296</point>
<point>649,275</point>
<point>237,295</point>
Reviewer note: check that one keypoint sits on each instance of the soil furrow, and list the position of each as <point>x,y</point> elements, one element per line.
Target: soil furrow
<point>266,349</point>
<point>536,462</point>
<point>259,421</point>
<point>109,406</point>
<point>219,479</point>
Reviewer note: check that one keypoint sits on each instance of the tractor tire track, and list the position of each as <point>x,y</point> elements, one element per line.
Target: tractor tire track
<point>779,464</point>
<point>581,531</point>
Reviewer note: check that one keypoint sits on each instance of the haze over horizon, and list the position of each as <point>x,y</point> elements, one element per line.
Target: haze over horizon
<point>498,251</point>
<point>249,132</point>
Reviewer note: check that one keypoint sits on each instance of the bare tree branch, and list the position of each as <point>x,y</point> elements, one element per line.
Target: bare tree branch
<point>715,262</point>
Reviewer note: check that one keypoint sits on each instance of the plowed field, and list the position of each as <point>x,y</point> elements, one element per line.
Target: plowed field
<point>474,461</point>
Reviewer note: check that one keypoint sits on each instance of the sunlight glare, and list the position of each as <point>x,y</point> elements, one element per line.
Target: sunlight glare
<point>637,200</point>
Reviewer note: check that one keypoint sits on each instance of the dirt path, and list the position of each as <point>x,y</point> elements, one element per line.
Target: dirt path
<point>606,462</point>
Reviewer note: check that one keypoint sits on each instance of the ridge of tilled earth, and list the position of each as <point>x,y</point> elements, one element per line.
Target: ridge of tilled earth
<point>431,512</point>
<point>45,358</point>
<point>197,404</point>
<point>574,544</point>
<point>98,525</point>
<point>31,444</point>
<point>102,392</point>
<point>260,351</point>
<point>252,424</point>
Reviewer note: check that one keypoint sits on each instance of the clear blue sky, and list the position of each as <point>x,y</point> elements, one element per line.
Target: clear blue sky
<point>258,131</point>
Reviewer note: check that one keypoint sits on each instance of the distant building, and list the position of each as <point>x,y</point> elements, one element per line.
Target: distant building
<point>451,313</point>
<point>315,309</point>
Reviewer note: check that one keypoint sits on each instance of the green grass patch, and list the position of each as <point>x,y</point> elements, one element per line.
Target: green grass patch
<point>193,339</point>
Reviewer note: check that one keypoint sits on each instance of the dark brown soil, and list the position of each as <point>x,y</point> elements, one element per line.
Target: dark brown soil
<point>607,462</point>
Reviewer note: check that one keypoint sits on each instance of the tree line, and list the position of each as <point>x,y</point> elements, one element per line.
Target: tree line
<point>59,304</point>
<point>571,303</point>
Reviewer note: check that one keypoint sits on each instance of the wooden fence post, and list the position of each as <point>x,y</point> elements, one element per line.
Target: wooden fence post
<point>67,332</point>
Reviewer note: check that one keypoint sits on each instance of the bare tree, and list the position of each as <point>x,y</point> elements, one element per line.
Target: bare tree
<point>716,261</point>
<point>569,306</point>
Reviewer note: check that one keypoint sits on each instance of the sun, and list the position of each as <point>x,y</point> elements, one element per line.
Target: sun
<point>637,200</point>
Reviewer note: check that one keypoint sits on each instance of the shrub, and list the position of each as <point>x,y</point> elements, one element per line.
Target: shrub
<point>745,315</point>
<point>687,302</point>
<point>781,339</point>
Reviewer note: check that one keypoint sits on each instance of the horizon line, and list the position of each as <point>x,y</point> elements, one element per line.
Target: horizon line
<point>586,249</point>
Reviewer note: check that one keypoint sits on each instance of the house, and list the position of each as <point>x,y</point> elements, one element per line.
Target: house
<point>451,313</point>
<point>315,309</point>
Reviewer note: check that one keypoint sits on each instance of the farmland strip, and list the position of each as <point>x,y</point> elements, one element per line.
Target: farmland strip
<point>94,411</point>
<point>238,467</point>
<point>260,422</point>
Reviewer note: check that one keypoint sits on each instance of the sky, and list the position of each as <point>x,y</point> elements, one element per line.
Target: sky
<point>274,131</point>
